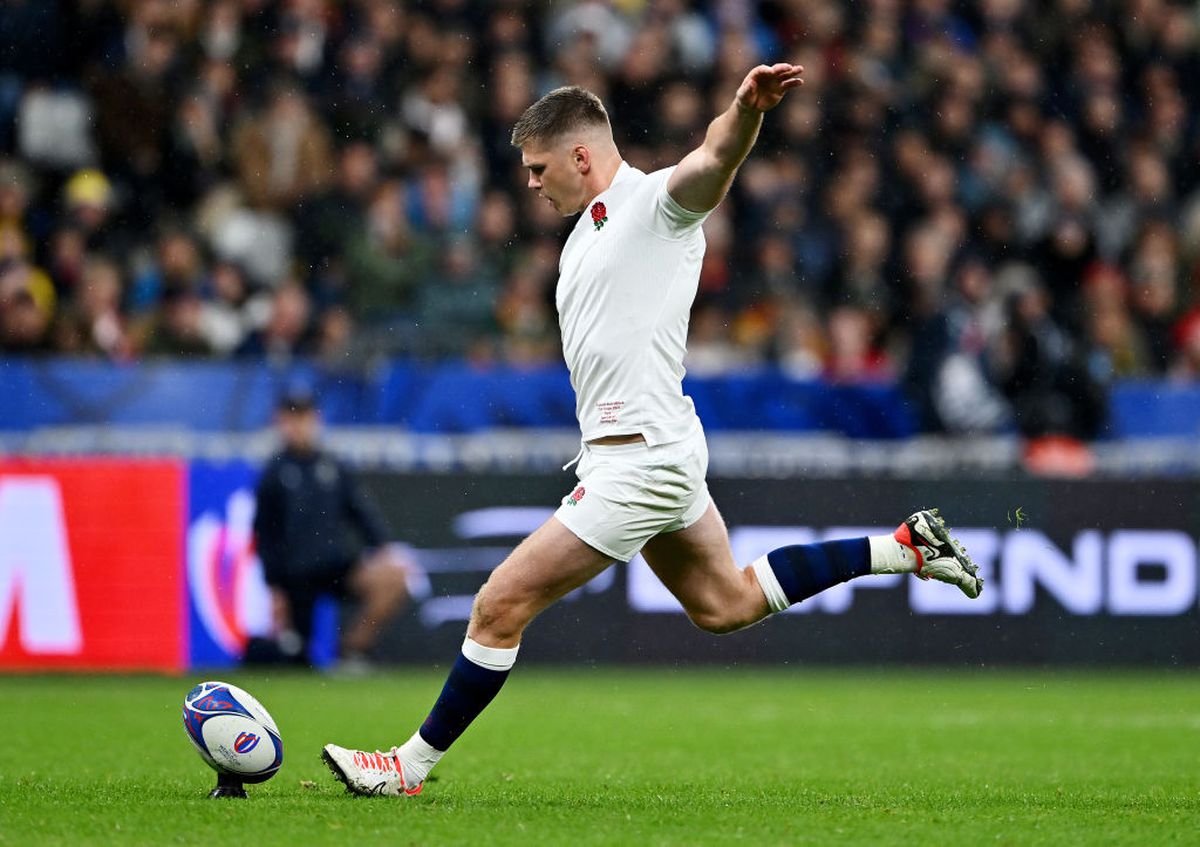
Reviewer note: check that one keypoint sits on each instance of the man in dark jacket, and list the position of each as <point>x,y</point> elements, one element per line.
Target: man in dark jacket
<point>318,534</point>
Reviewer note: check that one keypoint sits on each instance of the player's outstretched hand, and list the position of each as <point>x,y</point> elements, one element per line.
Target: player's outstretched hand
<point>764,86</point>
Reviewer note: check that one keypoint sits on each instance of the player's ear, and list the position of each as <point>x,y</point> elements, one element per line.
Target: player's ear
<point>582,157</point>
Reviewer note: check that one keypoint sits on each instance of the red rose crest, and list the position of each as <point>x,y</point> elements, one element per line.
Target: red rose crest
<point>599,215</point>
<point>576,496</point>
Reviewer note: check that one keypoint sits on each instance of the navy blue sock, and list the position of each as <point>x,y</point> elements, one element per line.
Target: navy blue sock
<point>807,569</point>
<point>467,691</point>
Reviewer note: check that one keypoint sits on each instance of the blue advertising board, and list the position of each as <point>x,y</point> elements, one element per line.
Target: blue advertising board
<point>228,602</point>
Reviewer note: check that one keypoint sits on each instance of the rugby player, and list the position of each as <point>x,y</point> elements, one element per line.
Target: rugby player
<point>628,274</point>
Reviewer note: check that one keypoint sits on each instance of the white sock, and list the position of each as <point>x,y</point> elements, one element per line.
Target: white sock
<point>890,556</point>
<point>492,658</point>
<point>419,759</point>
<point>769,583</point>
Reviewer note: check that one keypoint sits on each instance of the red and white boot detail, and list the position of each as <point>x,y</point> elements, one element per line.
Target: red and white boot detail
<point>366,774</point>
<point>938,555</point>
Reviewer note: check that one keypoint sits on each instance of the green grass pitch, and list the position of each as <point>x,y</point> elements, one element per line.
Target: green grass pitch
<point>638,757</point>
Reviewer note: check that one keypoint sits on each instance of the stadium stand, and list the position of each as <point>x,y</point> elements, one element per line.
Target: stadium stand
<point>988,208</point>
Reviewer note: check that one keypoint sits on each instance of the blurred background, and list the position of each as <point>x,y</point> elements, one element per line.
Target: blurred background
<point>962,267</point>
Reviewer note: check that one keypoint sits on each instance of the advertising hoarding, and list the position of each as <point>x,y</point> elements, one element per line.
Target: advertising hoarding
<point>149,565</point>
<point>1077,572</point>
<point>90,575</point>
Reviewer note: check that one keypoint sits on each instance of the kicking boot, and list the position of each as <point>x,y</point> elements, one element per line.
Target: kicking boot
<point>938,555</point>
<point>367,773</point>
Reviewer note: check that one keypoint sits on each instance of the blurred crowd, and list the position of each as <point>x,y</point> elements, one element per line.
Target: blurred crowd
<point>996,202</point>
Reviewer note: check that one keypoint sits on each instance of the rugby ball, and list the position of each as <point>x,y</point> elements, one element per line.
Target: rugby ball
<point>232,731</point>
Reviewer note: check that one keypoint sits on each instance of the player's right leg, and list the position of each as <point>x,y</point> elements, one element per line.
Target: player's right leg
<point>697,566</point>
<point>548,564</point>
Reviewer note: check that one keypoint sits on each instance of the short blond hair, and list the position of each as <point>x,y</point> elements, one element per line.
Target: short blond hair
<point>561,111</point>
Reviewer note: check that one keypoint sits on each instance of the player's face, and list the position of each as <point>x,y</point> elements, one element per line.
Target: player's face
<point>554,175</point>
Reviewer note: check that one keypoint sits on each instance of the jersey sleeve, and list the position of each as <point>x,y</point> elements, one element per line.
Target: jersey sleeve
<point>671,219</point>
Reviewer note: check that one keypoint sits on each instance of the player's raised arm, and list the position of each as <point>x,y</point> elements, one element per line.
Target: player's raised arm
<point>701,180</point>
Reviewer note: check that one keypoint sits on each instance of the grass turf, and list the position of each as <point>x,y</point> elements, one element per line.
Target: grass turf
<point>632,757</point>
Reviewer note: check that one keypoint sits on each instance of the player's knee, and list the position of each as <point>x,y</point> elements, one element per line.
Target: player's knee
<point>499,612</point>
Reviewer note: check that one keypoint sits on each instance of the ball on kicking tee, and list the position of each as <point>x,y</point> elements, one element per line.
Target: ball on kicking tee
<point>232,732</point>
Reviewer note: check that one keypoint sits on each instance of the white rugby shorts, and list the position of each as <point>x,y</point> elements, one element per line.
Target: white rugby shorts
<point>629,493</point>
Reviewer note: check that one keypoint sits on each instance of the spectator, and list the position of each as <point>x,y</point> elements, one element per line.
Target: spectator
<point>1185,361</point>
<point>27,304</point>
<point>854,355</point>
<point>231,310</point>
<point>1040,372</point>
<point>16,185</point>
<point>864,275</point>
<point>525,314</point>
<point>329,221</point>
<point>179,328</point>
<point>196,150</point>
<point>712,350</point>
<point>180,263</point>
<point>456,305</point>
<point>951,375</point>
<point>335,336</point>
<point>67,254</point>
<point>134,106</point>
<point>385,258</point>
<point>283,154</point>
<point>1154,277</point>
<point>287,331</point>
<point>94,324</point>
<point>358,92</point>
<point>800,344</point>
<point>89,200</point>
<point>513,92</point>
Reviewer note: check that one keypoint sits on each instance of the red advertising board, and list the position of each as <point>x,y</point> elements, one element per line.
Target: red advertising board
<point>90,574</point>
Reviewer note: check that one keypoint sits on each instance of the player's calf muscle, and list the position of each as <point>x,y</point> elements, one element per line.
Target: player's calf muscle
<point>723,621</point>
<point>737,607</point>
<point>717,622</point>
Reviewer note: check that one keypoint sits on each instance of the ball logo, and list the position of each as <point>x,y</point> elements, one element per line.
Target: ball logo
<point>245,742</point>
<point>213,703</point>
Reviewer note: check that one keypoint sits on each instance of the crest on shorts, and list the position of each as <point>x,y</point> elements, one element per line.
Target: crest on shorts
<point>575,496</point>
<point>599,215</point>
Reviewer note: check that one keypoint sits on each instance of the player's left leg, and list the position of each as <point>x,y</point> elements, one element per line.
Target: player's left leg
<point>545,566</point>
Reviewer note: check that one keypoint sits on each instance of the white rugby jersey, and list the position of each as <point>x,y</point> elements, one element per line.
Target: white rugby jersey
<point>627,278</point>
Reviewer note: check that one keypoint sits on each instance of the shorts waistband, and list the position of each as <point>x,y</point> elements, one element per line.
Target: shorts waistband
<point>611,449</point>
<point>613,440</point>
